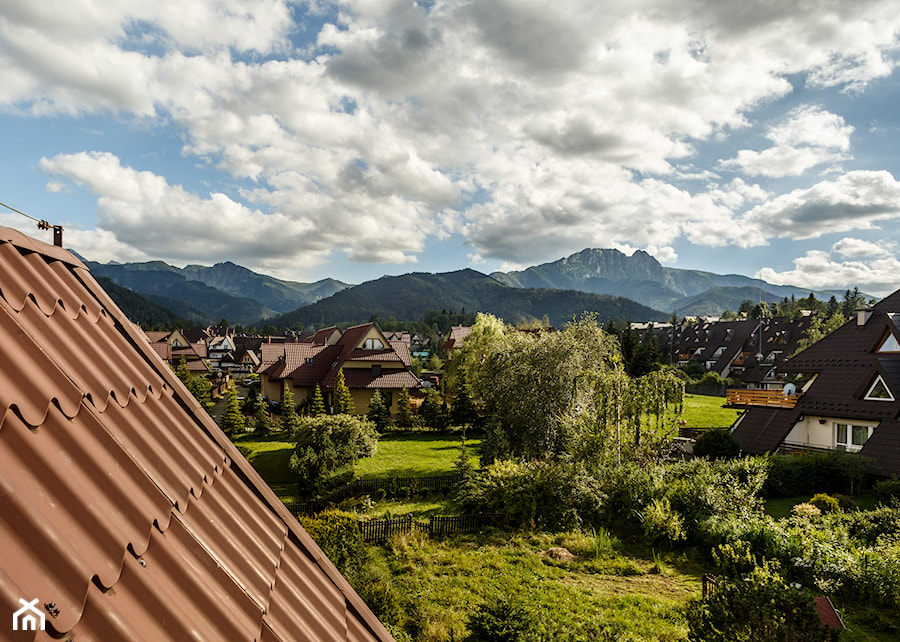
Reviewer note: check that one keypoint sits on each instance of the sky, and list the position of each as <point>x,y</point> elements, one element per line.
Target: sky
<point>355,139</point>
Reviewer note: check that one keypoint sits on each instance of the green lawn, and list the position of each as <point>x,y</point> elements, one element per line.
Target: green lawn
<point>418,454</point>
<point>701,411</point>
<point>270,457</point>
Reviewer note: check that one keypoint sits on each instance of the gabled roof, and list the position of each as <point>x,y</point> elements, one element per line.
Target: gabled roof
<point>761,430</point>
<point>123,503</point>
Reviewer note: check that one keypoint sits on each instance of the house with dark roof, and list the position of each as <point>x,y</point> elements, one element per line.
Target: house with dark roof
<point>125,512</point>
<point>849,398</point>
<point>369,360</point>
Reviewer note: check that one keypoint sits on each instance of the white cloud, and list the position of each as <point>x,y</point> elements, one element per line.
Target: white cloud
<point>561,124</point>
<point>818,270</point>
<point>809,137</point>
<point>858,200</point>
<point>853,248</point>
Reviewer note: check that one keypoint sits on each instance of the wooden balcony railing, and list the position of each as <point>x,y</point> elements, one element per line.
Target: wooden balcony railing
<point>768,398</point>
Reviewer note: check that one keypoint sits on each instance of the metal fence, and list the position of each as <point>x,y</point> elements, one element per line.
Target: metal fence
<point>380,530</point>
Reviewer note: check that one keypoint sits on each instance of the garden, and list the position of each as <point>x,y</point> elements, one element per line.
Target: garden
<point>600,529</point>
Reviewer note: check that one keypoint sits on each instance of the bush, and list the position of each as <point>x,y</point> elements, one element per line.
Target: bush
<point>717,444</point>
<point>554,496</point>
<point>887,489</point>
<point>825,503</point>
<point>793,475</point>
<point>760,605</point>
<point>711,379</point>
<point>806,510</point>
<point>337,534</point>
<point>328,446</point>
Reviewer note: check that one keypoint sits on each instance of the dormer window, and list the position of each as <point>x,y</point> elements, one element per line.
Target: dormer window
<point>309,360</point>
<point>879,391</point>
<point>373,344</point>
<point>890,344</point>
<point>376,370</point>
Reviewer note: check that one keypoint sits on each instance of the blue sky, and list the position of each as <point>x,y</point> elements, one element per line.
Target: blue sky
<point>354,139</point>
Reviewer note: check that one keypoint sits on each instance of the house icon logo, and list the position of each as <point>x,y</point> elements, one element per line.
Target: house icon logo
<point>29,617</point>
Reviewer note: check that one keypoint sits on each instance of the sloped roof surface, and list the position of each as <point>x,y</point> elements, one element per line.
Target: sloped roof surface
<point>884,447</point>
<point>122,503</point>
<point>761,430</point>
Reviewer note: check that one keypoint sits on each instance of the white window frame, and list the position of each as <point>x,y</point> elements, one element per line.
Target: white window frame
<point>869,396</point>
<point>847,443</point>
<point>369,344</point>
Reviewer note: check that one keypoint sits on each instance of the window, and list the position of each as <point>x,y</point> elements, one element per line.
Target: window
<point>373,344</point>
<point>879,391</point>
<point>889,344</point>
<point>850,437</point>
<point>309,360</point>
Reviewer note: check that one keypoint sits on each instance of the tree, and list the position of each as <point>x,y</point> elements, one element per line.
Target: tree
<point>317,407</point>
<point>433,410</point>
<point>379,414</point>
<point>533,385</point>
<point>290,420</point>
<point>462,409</point>
<point>405,415</point>
<point>328,446</point>
<point>198,386</point>
<point>343,400</point>
<point>262,421</point>
<point>232,421</point>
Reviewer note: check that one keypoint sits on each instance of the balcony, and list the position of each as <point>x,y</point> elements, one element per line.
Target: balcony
<point>766,398</point>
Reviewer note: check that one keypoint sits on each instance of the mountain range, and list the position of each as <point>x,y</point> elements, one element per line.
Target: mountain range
<point>605,281</point>
<point>642,278</point>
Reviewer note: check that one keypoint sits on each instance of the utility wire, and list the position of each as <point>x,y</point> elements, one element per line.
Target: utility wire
<point>42,224</point>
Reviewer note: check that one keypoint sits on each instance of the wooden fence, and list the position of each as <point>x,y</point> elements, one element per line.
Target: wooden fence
<point>392,486</point>
<point>380,530</point>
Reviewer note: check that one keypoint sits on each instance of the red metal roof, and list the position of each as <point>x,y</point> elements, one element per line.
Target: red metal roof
<point>122,503</point>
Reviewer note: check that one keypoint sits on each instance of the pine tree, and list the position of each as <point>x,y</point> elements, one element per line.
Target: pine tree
<point>379,414</point>
<point>462,410</point>
<point>290,421</point>
<point>232,420</point>
<point>317,407</point>
<point>262,423</point>
<point>405,416</point>
<point>343,400</point>
<point>433,411</point>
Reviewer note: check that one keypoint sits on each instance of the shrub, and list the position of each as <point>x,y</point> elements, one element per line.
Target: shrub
<point>555,496</point>
<point>825,503</point>
<point>846,502</point>
<point>717,444</point>
<point>337,534</point>
<point>806,510</point>
<point>328,446</point>
<point>793,475</point>
<point>661,524</point>
<point>760,605</point>
<point>887,489</point>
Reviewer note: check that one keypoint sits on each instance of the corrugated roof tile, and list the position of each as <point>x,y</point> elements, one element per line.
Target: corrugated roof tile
<point>138,519</point>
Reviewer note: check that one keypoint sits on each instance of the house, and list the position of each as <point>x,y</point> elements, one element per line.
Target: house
<point>749,350</point>
<point>369,360</point>
<point>125,512</point>
<point>455,339</point>
<point>173,346</point>
<point>849,398</point>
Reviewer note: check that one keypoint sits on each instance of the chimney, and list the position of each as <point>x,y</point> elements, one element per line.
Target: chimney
<point>863,315</point>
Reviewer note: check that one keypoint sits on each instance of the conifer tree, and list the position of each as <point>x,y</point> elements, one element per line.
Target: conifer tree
<point>317,407</point>
<point>262,423</point>
<point>290,421</point>
<point>405,416</point>
<point>379,414</point>
<point>232,420</point>
<point>462,410</point>
<point>343,401</point>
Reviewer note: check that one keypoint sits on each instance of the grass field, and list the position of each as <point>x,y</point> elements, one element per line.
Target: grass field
<point>417,454</point>
<point>596,592</point>
<point>270,457</point>
<point>701,411</point>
